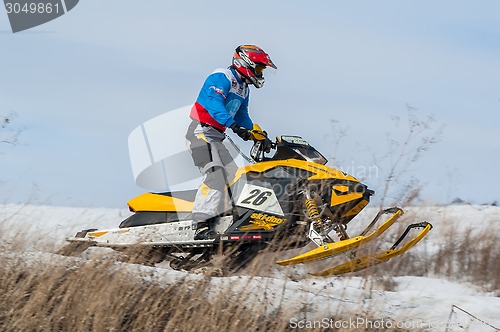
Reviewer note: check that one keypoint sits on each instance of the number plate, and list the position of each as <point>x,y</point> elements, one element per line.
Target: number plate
<point>260,199</point>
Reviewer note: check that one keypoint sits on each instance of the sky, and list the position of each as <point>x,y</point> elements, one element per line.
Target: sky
<point>350,75</point>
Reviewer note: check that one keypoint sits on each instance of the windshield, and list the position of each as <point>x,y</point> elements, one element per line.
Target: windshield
<point>297,147</point>
<point>311,154</point>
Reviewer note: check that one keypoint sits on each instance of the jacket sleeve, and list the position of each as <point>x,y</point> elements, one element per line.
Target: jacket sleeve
<point>212,98</point>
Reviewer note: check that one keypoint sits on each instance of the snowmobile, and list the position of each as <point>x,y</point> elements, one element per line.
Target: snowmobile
<point>280,202</point>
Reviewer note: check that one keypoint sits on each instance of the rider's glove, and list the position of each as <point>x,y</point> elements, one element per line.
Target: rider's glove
<point>241,131</point>
<point>267,145</point>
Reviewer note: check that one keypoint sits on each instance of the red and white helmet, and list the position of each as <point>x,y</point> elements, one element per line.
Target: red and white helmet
<point>250,61</point>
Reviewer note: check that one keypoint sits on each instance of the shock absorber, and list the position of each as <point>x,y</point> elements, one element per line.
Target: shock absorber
<point>340,229</point>
<point>312,209</point>
<point>316,231</point>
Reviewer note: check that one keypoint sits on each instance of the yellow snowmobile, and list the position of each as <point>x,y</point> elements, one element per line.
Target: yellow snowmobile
<point>280,202</point>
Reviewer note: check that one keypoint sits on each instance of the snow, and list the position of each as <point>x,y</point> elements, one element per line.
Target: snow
<point>56,223</point>
<point>431,303</point>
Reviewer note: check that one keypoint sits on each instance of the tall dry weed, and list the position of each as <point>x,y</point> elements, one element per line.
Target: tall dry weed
<point>96,296</point>
<point>468,256</point>
<point>46,292</point>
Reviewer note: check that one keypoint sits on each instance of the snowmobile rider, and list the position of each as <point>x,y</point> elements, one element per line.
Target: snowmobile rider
<point>222,103</point>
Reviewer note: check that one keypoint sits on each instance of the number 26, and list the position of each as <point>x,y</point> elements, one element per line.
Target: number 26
<point>257,197</point>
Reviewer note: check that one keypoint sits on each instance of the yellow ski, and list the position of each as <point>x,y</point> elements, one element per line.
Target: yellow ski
<point>335,248</point>
<point>363,262</point>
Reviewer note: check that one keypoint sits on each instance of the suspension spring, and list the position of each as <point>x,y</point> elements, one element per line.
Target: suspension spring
<point>341,232</point>
<point>312,209</point>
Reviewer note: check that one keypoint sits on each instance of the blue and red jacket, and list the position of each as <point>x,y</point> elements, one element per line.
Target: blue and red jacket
<point>223,100</point>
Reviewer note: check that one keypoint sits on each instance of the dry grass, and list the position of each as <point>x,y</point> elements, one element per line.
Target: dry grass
<point>96,296</point>
<point>51,293</point>
<point>471,257</point>
<point>467,256</point>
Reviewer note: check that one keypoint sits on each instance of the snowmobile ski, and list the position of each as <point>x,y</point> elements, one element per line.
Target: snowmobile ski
<point>360,263</point>
<point>335,248</point>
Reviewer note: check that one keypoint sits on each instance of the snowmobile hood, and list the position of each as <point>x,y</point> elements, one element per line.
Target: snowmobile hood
<point>318,171</point>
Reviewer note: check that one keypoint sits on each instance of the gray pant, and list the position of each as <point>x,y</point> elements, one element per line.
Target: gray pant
<point>216,164</point>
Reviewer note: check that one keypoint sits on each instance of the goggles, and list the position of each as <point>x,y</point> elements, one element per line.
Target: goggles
<point>259,70</point>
